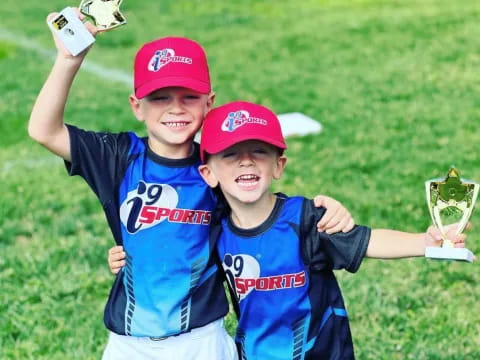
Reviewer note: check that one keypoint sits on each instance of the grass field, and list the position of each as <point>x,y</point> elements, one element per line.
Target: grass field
<point>396,87</point>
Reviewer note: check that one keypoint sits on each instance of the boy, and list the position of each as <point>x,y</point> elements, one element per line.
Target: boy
<point>290,303</point>
<point>277,264</point>
<point>169,303</point>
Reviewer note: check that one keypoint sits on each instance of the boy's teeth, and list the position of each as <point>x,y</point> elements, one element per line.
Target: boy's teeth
<point>175,124</point>
<point>248,177</point>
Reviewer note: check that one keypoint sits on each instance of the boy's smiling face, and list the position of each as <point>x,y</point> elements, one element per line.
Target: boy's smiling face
<point>172,116</point>
<point>244,170</point>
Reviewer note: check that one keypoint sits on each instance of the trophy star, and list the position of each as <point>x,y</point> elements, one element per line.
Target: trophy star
<point>452,189</point>
<point>105,13</point>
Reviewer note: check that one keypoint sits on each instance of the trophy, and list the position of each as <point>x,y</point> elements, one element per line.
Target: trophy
<point>450,201</point>
<point>105,13</point>
<point>71,31</point>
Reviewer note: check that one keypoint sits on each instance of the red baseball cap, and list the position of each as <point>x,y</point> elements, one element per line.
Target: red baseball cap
<point>171,61</point>
<point>239,121</point>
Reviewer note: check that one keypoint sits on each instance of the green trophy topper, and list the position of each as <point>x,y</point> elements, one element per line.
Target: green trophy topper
<point>105,13</point>
<point>450,201</point>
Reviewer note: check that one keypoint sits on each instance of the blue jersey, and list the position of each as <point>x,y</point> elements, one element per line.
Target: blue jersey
<point>159,209</point>
<point>290,305</point>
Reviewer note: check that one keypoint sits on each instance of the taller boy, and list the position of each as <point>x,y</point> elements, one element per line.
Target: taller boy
<point>170,285</point>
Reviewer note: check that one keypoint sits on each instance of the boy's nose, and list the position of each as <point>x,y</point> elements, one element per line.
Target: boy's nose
<point>176,107</point>
<point>245,158</point>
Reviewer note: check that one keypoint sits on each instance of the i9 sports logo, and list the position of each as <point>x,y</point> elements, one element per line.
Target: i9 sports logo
<point>243,274</point>
<point>164,57</point>
<point>235,119</point>
<point>150,204</point>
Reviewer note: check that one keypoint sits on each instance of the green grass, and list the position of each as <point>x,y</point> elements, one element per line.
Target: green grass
<point>395,85</point>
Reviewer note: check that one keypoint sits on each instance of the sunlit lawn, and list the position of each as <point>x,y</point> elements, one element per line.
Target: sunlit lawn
<point>395,85</point>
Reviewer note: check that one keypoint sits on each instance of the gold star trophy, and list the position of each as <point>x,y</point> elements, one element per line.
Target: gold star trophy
<point>105,13</point>
<point>450,201</point>
<point>71,31</point>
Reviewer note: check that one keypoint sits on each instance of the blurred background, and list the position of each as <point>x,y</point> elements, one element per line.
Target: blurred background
<point>395,86</point>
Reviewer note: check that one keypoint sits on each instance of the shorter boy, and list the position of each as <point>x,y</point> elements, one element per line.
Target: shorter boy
<point>278,265</point>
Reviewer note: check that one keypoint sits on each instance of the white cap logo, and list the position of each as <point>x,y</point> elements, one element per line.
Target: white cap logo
<point>164,57</point>
<point>235,119</point>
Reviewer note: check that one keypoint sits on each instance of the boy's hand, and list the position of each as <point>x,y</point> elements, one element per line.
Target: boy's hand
<point>116,259</point>
<point>336,218</point>
<point>61,49</point>
<point>433,236</point>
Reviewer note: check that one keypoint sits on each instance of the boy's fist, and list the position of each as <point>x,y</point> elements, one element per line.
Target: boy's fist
<point>72,37</point>
<point>433,237</point>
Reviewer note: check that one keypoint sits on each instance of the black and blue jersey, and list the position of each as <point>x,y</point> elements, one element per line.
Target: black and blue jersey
<point>160,210</point>
<point>290,304</point>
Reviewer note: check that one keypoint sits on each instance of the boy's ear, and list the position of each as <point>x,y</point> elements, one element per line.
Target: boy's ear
<point>210,101</point>
<point>208,175</point>
<point>279,167</point>
<point>136,107</point>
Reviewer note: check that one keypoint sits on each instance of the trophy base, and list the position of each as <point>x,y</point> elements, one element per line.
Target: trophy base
<point>448,253</point>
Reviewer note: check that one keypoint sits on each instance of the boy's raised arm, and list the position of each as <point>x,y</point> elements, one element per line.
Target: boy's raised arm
<point>46,125</point>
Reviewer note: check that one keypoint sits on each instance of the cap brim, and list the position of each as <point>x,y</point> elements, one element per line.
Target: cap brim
<point>220,145</point>
<point>189,83</point>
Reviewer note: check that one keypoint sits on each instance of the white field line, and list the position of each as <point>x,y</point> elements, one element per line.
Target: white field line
<point>10,167</point>
<point>292,123</point>
<point>91,67</point>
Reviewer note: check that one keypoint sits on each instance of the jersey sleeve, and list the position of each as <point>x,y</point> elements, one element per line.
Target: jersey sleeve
<point>98,157</point>
<point>335,251</point>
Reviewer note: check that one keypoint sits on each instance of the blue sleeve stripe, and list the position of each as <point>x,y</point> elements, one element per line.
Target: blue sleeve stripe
<point>329,311</point>
<point>207,274</point>
<point>326,315</point>
<point>340,312</point>
<point>310,344</point>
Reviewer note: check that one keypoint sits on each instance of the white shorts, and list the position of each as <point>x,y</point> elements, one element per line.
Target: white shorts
<point>210,342</point>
